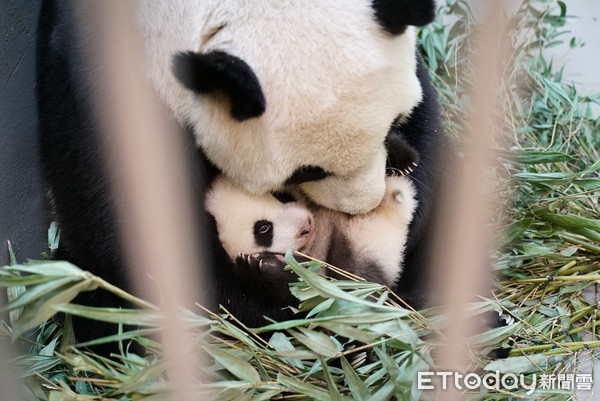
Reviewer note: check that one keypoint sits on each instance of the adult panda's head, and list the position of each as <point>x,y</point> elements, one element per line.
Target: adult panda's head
<point>258,223</point>
<point>290,92</point>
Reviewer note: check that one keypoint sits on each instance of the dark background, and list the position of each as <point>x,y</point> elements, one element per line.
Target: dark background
<point>22,211</point>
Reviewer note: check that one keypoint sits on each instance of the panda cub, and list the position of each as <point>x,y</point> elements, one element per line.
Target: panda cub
<point>256,230</point>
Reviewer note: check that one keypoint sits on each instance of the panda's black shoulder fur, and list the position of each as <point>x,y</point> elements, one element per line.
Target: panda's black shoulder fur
<point>73,167</point>
<point>422,131</point>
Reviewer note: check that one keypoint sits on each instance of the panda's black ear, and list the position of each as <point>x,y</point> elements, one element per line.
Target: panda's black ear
<point>220,71</point>
<point>395,15</point>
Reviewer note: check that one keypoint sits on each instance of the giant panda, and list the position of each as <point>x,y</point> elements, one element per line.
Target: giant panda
<point>324,95</point>
<point>256,230</point>
<point>326,77</point>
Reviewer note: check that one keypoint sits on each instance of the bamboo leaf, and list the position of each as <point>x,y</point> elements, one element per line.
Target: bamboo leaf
<point>112,315</point>
<point>536,157</point>
<point>236,365</point>
<point>334,393</point>
<point>53,236</point>
<point>358,389</point>
<point>300,387</point>
<point>37,364</point>
<point>280,343</point>
<point>317,342</point>
<point>519,364</point>
<point>44,308</point>
<point>327,289</point>
<point>571,220</point>
<point>39,291</point>
<point>384,393</point>
<point>51,269</point>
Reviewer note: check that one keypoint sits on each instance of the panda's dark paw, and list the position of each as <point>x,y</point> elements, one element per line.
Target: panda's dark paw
<point>264,263</point>
<point>403,159</point>
<point>408,165</point>
<point>408,169</point>
<point>268,262</point>
<point>243,260</point>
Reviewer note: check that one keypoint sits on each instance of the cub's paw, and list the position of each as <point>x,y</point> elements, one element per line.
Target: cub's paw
<point>264,263</point>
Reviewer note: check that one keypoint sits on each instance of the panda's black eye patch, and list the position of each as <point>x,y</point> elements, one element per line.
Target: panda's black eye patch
<point>263,233</point>
<point>306,174</point>
<point>283,197</point>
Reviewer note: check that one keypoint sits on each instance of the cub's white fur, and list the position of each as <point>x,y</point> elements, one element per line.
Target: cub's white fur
<point>236,211</point>
<point>375,240</point>
<point>380,236</point>
<point>333,79</point>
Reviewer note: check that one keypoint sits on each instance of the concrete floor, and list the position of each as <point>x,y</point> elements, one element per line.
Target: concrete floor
<point>582,63</point>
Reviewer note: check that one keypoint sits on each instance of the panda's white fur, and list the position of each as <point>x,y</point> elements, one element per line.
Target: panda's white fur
<point>373,243</point>
<point>333,79</point>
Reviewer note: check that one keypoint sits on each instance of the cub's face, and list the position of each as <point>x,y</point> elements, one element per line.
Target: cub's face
<point>257,223</point>
<point>276,89</point>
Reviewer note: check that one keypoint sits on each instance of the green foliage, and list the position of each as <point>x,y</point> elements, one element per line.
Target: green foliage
<point>550,178</point>
<point>315,357</point>
<point>357,341</point>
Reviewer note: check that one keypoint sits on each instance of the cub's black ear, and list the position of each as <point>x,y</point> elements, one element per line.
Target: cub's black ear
<point>395,15</point>
<point>220,71</point>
